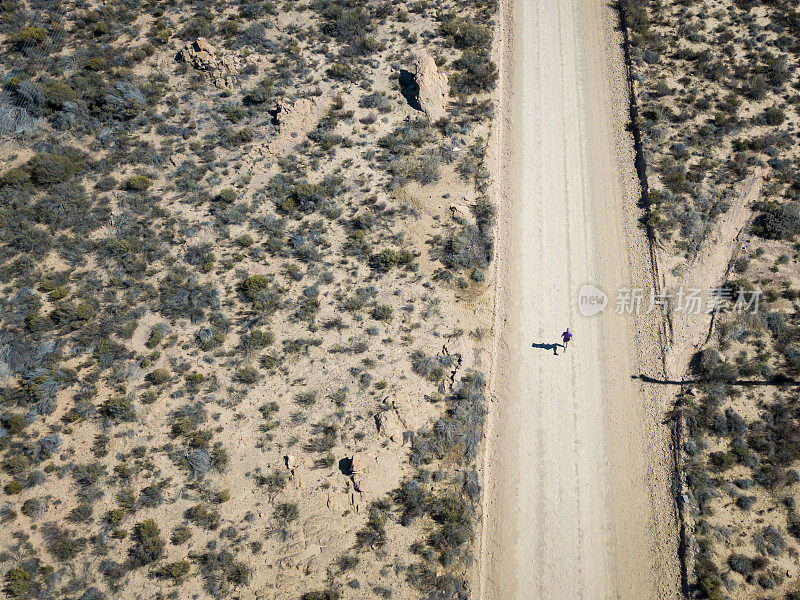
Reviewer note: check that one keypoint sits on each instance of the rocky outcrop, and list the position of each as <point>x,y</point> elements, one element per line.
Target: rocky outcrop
<point>221,66</point>
<point>433,87</point>
<point>376,472</point>
<point>402,415</point>
<point>292,114</point>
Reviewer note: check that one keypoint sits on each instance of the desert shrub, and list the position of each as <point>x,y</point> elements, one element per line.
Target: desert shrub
<point>30,35</point>
<point>466,34</point>
<point>203,516</point>
<point>227,196</point>
<point>138,183</point>
<point>388,258</point>
<point>778,222</point>
<point>62,544</point>
<point>32,507</point>
<point>180,535</point>
<point>299,196</point>
<point>306,398</point>
<point>346,562</point>
<point>151,496</point>
<point>256,339</point>
<point>18,583</point>
<point>274,482</point>
<point>248,375</point>
<point>265,296</point>
<point>325,438</point>
<point>15,178</point>
<point>722,461</point>
<point>476,73</point>
<point>118,408</point>
<point>159,376</point>
<point>470,248</point>
<point>149,546</point>
<point>176,571</point>
<point>741,564</point>
<point>413,499</point>
<point>774,115</point>
<point>56,166</point>
<point>283,516</point>
<point>376,100</point>
<point>209,338</point>
<point>429,367</point>
<point>373,534</point>
<point>745,502</point>
<point>769,541</point>
<point>157,335</point>
<point>382,312</point>
<point>13,487</point>
<point>329,594</point>
<point>81,513</point>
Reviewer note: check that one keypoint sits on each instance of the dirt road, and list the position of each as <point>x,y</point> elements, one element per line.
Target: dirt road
<point>578,498</point>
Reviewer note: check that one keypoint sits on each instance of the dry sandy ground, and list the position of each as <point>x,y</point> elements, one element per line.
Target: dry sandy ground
<point>578,500</point>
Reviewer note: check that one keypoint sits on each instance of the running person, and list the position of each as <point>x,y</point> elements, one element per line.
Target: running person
<point>566,337</point>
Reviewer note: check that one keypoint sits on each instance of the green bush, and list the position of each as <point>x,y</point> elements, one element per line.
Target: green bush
<point>227,196</point>
<point>13,487</point>
<point>30,35</point>
<point>382,312</point>
<point>388,258</point>
<point>476,73</point>
<point>778,222</point>
<point>466,34</point>
<point>159,376</point>
<point>329,594</point>
<point>18,582</point>
<point>148,546</point>
<point>774,115</point>
<point>16,177</point>
<point>260,290</point>
<point>203,516</point>
<point>59,92</point>
<point>119,408</point>
<point>138,183</point>
<point>247,375</point>
<point>64,545</point>
<point>306,398</point>
<point>175,571</point>
<point>48,168</point>
<point>180,535</point>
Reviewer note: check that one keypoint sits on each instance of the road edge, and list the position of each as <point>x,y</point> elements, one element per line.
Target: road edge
<point>500,132</point>
<point>677,425</point>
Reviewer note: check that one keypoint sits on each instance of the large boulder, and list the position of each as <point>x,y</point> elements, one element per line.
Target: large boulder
<point>433,87</point>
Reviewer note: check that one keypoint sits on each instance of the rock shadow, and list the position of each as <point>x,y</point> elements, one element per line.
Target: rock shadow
<point>409,89</point>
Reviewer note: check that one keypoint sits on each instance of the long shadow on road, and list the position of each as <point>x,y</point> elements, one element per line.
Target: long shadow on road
<point>745,382</point>
<point>553,347</point>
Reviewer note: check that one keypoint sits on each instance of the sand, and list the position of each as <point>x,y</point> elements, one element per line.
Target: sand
<point>578,502</point>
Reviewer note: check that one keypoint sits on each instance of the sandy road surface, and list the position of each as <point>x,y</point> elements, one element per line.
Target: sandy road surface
<point>578,465</point>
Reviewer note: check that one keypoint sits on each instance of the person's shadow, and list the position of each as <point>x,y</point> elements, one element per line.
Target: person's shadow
<point>553,347</point>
